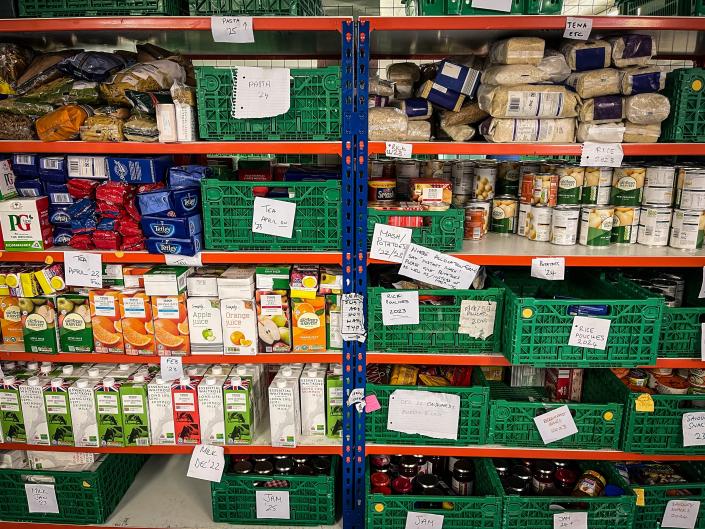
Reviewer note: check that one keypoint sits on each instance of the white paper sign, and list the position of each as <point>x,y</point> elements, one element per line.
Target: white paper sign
<point>422,520</point>
<point>496,5</point>
<point>577,28</point>
<point>171,368</point>
<point>589,332</point>
<point>400,308</point>
<point>398,150</point>
<point>477,318</point>
<point>702,286</point>
<point>681,513</point>
<point>273,217</point>
<point>273,504</point>
<point>356,395</point>
<point>694,428</point>
<point>41,498</point>
<point>83,269</point>
<point>207,463</point>
<point>556,424</point>
<point>389,243</point>
<point>352,317</point>
<point>601,154</point>
<point>232,29</point>
<point>551,268</point>
<point>570,520</point>
<point>425,413</point>
<point>184,260</point>
<point>260,92</point>
<point>437,269</point>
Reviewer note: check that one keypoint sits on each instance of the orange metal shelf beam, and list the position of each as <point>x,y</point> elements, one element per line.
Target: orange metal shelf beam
<point>181,449</point>
<point>580,260</point>
<point>282,358</point>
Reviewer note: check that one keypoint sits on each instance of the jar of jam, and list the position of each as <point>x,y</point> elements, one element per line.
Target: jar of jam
<point>379,463</point>
<point>436,465</point>
<point>242,467</point>
<point>320,465</point>
<point>565,480</point>
<point>381,483</point>
<point>426,484</point>
<point>284,466</point>
<point>502,467</point>
<point>590,484</point>
<point>521,472</point>
<point>408,467</point>
<point>260,459</point>
<point>264,468</point>
<point>304,470</point>
<point>463,477</point>
<point>542,481</point>
<point>401,485</point>
<point>516,485</point>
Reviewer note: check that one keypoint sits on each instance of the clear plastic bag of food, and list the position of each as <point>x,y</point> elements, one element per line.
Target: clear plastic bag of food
<point>62,124</point>
<point>501,130</point>
<point>634,133</point>
<point>583,55</point>
<point>517,50</point>
<point>142,128</point>
<point>93,65</point>
<point>528,101</point>
<point>142,77</point>
<point>42,69</point>
<point>595,83</point>
<point>554,66</point>
<point>602,109</point>
<point>459,133</point>
<point>16,127</point>
<point>513,74</point>
<point>20,106</point>
<point>468,114</point>
<point>418,131</point>
<point>403,71</point>
<point>601,132</point>
<point>647,109</point>
<point>642,79</point>
<point>387,124</point>
<point>632,49</point>
<point>381,87</point>
<point>14,60</point>
<point>102,128</point>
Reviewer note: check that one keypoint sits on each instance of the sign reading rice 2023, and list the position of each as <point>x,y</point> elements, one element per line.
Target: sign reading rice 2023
<point>694,428</point>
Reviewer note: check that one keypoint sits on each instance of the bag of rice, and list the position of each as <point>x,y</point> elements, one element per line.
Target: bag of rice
<point>634,133</point>
<point>517,50</point>
<point>601,109</point>
<point>469,113</point>
<point>380,87</point>
<point>506,74</point>
<point>386,124</point>
<point>528,101</point>
<point>604,132</point>
<point>647,109</point>
<point>554,66</point>
<point>459,132</point>
<point>499,130</point>
<point>632,49</point>
<point>642,79</point>
<point>594,83</point>
<point>582,55</point>
<point>418,131</point>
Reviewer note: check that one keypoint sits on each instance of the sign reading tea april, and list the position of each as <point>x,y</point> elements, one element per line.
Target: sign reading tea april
<point>694,428</point>
<point>273,217</point>
<point>436,268</point>
<point>589,332</point>
<point>83,269</point>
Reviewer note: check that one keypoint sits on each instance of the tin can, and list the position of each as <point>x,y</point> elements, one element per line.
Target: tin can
<point>539,223</point>
<point>463,172</point>
<point>659,176</point>
<point>597,185</point>
<point>485,179</point>
<point>687,229</point>
<point>526,188</point>
<point>690,199</point>
<point>433,169</point>
<point>405,170</point>
<point>596,225</point>
<point>508,177</point>
<point>570,184</point>
<point>691,178</point>
<point>627,185</point>
<point>625,225</point>
<point>666,286</point>
<point>548,166</point>
<point>504,214</point>
<point>545,191</point>
<point>460,201</point>
<point>657,196</point>
<point>474,228</point>
<point>487,206</point>
<point>680,285</point>
<point>382,190</point>
<point>671,386</point>
<point>638,377</point>
<point>654,226</point>
<point>697,377</point>
<point>521,221</point>
<point>564,225</point>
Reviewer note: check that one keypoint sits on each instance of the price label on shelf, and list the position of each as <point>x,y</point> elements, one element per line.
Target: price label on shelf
<point>41,498</point>
<point>393,149</point>
<point>83,269</point>
<point>273,504</point>
<point>682,514</point>
<point>570,520</point>
<point>577,28</point>
<point>556,425</point>
<point>207,463</point>
<point>693,428</point>
<point>184,260</point>
<point>589,332</point>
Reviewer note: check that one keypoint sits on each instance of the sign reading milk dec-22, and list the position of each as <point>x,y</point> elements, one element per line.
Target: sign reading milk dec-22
<point>207,463</point>
<point>393,149</point>
<point>232,29</point>
<point>601,154</point>
<point>693,428</point>
<point>577,28</point>
<point>273,217</point>
<point>422,520</point>
<point>682,514</point>
<point>83,269</point>
<point>426,413</point>
<point>41,498</point>
<point>591,333</point>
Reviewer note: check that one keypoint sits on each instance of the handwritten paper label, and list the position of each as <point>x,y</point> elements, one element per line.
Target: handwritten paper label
<point>551,268</point>
<point>207,463</point>
<point>389,243</point>
<point>273,504</point>
<point>422,520</point>
<point>400,308</point>
<point>398,150</point>
<point>83,269</point>
<point>694,428</point>
<point>171,368</point>
<point>41,498</point>
<point>570,520</point>
<point>556,424</point>
<point>644,403</point>
<point>681,513</point>
<point>589,332</point>
<point>601,154</point>
<point>436,268</point>
<point>184,260</point>
<point>273,217</point>
<point>477,318</point>
<point>425,413</point>
<point>702,286</point>
<point>495,5</point>
<point>260,92</point>
<point>577,28</point>
<point>356,395</point>
<point>353,318</point>
<point>232,29</point>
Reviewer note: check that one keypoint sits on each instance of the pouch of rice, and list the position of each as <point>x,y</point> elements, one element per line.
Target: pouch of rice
<point>528,101</point>
<point>418,131</point>
<point>469,113</point>
<point>459,132</point>
<point>602,109</point>
<point>595,83</point>
<point>634,133</point>
<point>632,49</point>
<point>554,66</point>
<point>380,87</point>
<point>601,132</point>
<point>142,128</point>
<point>647,109</point>
<point>512,74</point>
<point>500,130</point>
<point>517,50</point>
<point>582,55</point>
<point>642,79</point>
<point>386,124</point>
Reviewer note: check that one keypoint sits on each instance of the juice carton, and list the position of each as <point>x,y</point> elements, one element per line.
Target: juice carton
<point>11,419</point>
<point>166,280</point>
<point>75,329</point>
<point>56,398</point>
<point>309,324</point>
<point>334,401</point>
<point>272,277</point>
<point>84,413</point>
<point>11,320</point>
<point>205,325</point>
<point>106,315</point>
<point>211,410</point>
<point>239,326</point>
<point>273,321</point>
<point>113,275</point>
<point>135,411</point>
<point>186,419</point>
<point>284,412</point>
<point>34,411</point>
<point>333,322</point>
<point>107,399</point>
<point>161,412</point>
<point>204,281</point>
<point>331,280</point>
<point>39,324</point>
<point>304,281</point>
<point>134,275</point>
<point>237,283</point>
<point>171,325</point>
<point>25,224</point>
<point>313,401</point>
<point>137,326</point>
<point>240,420</point>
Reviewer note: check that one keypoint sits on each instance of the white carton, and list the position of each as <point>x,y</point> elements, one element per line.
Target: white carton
<point>313,401</point>
<point>284,412</point>
<point>83,413</point>
<point>41,460</point>
<point>161,412</point>
<point>211,410</point>
<point>13,459</point>
<point>88,167</point>
<point>256,374</point>
<point>34,411</point>
<point>219,370</point>
<point>205,325</point>
<point>99,371</point>
<point>237,283</point>
<point>239,326</point>
<point>124,371</point>
<point>203,283</point>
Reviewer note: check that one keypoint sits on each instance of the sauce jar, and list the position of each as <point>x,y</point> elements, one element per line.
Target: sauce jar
<point>590,484</point>
<point>502,467</point>
<point>381,483</point>
<point>408,467</point>
<point>542,482</point>
<point>380,463</point>
<point>321,465</point>
<point>284,466</point>
<point>426,484</point>
<point>401,485</point>
<point>565,479</point>
<point>462,481</point>
<point>242,467</point>
<point>516,485</point>
<point>264,468</point>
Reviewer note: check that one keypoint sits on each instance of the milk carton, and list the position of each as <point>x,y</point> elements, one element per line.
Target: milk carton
<point>84,413</point>
<point>219,370</point>
<point>58,408</point>
<point>240,420</point>
<point>25,224</point>
<point>107,398</point>
<point>205,325</point>
<point>313,401</point>
<point>135,410</point>
<point>124,371</point>
<point>161,412</point>
<point>239,326</point>
<point>211,410</point>
<point>334,401</point>
<point>99,371</point>
<point>11,419</point>
<point>34,410</point>
<point>284,412</point>
<point>186,419</point>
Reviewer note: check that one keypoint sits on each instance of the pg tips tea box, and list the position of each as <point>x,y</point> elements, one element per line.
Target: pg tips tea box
<point>171,325</point>
<point>25,224</point>
<point>106,317</point>
<point>75,330</point>
<point>39,324</point>
<point>137,326</point>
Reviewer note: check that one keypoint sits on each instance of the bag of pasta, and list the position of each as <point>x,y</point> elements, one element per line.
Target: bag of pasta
<point>142,77</point>
<point>62,124</point>
<point>15,127</point>
<point>102,128</point>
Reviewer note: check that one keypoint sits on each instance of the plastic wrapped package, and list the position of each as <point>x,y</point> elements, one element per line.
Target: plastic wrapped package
<point>513,74</point>
<point>43,69</point>
<point>499,130</point>
<point>554,66</point>
<point>22,107</point>
<point>403,71</point>
<point>92,65</point>
<point>647,109</point>
<point>146,102</point>
<point>595,83</point>
<point>416,109</point>
<point>459,132</point>
<point>380,87</point>
<point>634,133</point>
<point>142,128</point>
<point>184,98</point>
<point>517,50</point>
<point>403,89</point>
<point>602,109</point>
<point>14,60</point>
<point>469,113</point>
<point>15,127</point>
<point>601,132</point>
<point>142,77</point>
<point>528,101</point>
<point>62,124</point>
<point>102,128</point>
<point>64,91</point>
<point>642,79</point>
<point>582,55</point>
<point>418,131</point>
<point>387,124</point>
<point>632,49</point>
<point>112,111</point>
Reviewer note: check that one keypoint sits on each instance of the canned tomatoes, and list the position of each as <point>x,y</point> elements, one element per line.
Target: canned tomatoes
<point>474,224</point>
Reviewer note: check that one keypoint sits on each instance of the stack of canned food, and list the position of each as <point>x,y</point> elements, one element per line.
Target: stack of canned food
<point>665,381</point>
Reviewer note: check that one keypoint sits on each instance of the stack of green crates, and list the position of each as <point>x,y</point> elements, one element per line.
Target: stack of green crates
<point>464,7</point>
<point>97,8</point>
<point>441,230</point>
<point>685,89</point>
<point>681,329</point>
<point>256,7</point>
<point>661,8</point>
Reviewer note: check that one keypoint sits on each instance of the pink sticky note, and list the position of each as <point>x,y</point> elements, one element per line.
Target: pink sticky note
<point>371,403</point>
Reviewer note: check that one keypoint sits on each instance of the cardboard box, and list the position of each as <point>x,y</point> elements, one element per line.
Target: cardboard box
<point>137,325</point>
<point>304,281</point>
<point>239,326</point>
<point>39,324</point>
<point>58,408</point>
<point>204,282</point>
<point>161,412</point>
<point>236,283</point>
<point>7,181</point>
<point>41,460</point>
<point>132,170</point>
<point>75,329</point>
<point>11,418</point>
<point>186,418</point>
<point>273,321</point>
<point>211,409</point>
<point>166,280</point>
<point>171,328</point>
<point>106,316</point>
<point>11,321</point>
<point>25,224</point>
<point>34,410</point>
<point>114,275</point>
<point>84,413</point>
<point>13,459</point>
<point>88,167</point>
<point>272,277</point>
<point>109,407</point>
<point>205,325</point>
<point>134,275</point>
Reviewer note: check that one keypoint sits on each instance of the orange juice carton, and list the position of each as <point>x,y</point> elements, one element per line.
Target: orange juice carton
<point>166,280</point>
<point>171,325</point>
<point>11,320</point>
<point>273,321</point>
<point>137,327</point>
<point>239,326</point>
<point>106,316</point>
<point>304,281</point>
<point>133,275</point>
<point>309,324</point>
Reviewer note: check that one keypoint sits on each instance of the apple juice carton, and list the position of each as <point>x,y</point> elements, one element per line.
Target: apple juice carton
<point>11,419</point>
<point>284,412</point>
<point>106,317</point>
<point>39,324</point>
<point>205,325</point>
<point>58,407</point>
<point>309,324</point>
<point>240,420</point>
<point>186,420</point>
<point>334,401</point>
<point>313,400</point>
<point>161,412</point>
<point>11,321</point>
<point>34,410</point>
<point>273,321</point>
<point>211,409</point>
<point>135,410</point>
<point>75,330</point>
<point>84,413</point>
<point>334,338</point>
<point>25,224</point>
<point>171,328</point>
<point>239,326</point>
<point>137,326</point>
<point>109,407</point>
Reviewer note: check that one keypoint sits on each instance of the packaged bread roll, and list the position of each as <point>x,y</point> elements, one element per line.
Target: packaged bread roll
<point>502,130</point>
<point>513,74</point>
<point>517,50</point>
<point>587,55</point>
<point>632,49</point>
<point>386,124</point>
<point>527,101</point>
<point>594,83</point>
<point>634,133</point>
<point>601,109</point>
<point>647,109</point>
<point>642,79</point>
<point>601,132</point>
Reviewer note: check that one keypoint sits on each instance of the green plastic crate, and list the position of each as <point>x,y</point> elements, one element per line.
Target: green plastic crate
<point>227,216</point>
<point>83,497</point>
<point>281,8</point>
<point>681,329</point>
<point>659,8</point>
<point>313,500</point>
<point>472,424</point>
<point>685,89</point>
<point>537,327</point>
<point>97,8</point>
<point>455,7</point>
<point>512,412</point>
<point>314,114</point>
<point>437,331</point>
<point>442,230</point>
<point>481,511</point>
